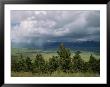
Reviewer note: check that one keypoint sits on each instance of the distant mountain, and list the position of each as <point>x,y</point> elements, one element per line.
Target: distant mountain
<point>79,45</point>
<point>83,45</point>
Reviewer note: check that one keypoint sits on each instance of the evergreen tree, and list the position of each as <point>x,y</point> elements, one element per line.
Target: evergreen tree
<point>39,63</point>
<point>65,58</point>
<point>13,63</point>
<point>53,64</point>
<point>20,64</point>
<point>78,63</point>
<point>28,64</point>
<point>94,64</point>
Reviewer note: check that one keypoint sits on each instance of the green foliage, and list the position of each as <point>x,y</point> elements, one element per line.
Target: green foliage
<point>28,64</point>
<point>20,64</point>
<point>86,67</point>
<point>65,59</point>
<point>63,62</point>
<point>78,63</point>
<point>13,63</point>
<point>94,65</point>
<point>77,53</point>
<point>63,52</point>
<point>53,64</point>
<point>39,63</point>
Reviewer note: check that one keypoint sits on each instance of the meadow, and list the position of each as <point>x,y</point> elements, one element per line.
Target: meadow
<point>48,54</point>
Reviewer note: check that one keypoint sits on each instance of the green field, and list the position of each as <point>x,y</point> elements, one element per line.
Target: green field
<point>85,55</point>
<point>16,52</point>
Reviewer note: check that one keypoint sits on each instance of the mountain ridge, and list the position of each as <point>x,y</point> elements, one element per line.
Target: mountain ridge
<point>79,45</point>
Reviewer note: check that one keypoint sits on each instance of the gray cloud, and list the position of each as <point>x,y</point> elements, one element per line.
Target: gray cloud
<point>41,26</point>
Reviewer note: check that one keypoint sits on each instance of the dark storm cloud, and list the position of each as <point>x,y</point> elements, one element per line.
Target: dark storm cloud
<point>42,26</point>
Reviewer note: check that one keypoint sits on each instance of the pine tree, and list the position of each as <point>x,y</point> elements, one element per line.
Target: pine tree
<point>78,63</point>
<point>53,64</point>
<point>13,63</point>
<point>39,63</point>
<point>20,64</point>
<point>65,58</point>
<point>28,64</point>
<point>94,64</point>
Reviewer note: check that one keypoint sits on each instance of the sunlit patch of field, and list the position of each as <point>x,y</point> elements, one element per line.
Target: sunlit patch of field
<point>86,55</point>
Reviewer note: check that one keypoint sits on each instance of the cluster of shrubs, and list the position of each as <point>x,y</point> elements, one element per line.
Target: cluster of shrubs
<point>62,62</point>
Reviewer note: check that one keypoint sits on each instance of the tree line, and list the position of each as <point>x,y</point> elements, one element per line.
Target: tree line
<point>62,62</point>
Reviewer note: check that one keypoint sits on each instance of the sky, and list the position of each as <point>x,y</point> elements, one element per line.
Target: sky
<point>38,27</point>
